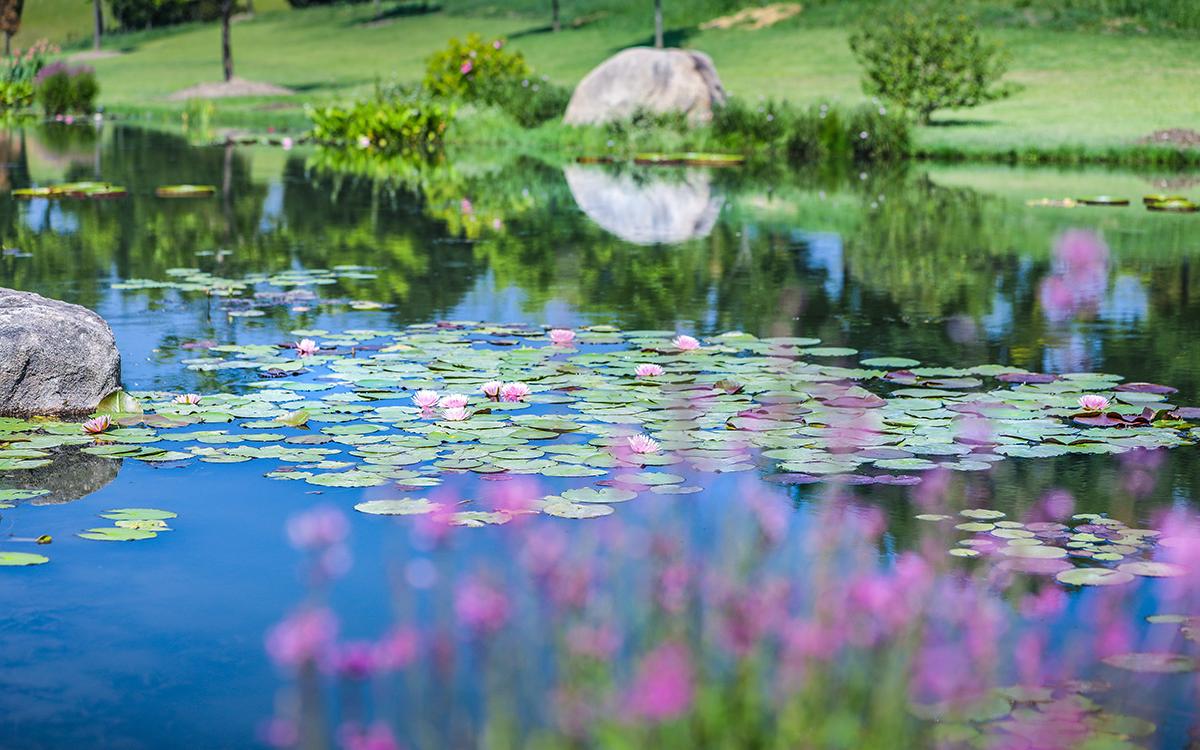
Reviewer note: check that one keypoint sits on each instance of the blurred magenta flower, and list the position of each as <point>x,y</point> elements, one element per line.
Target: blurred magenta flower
<point>397,649</point>
<point>466,67</point>
<point>318,528</point>
<point>302,637</point>
<point>561,336</point>
<point>97,425</point>
<point>685,343</point>
<point>354,660</point>
<point>599,642</point>
<point>378,736</point>
<point>481,606</point>
<point>663,687</point>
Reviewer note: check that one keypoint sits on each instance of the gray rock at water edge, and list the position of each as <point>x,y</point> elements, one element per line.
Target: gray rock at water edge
<point>654,211</point>
<point>655,80</point>
<point>56,359</point>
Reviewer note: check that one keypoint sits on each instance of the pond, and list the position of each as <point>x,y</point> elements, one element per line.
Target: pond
<point>858,403</point>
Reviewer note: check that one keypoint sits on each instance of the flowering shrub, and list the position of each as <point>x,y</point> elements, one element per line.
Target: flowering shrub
<point>62,89</point>
<point>20,69</point>
<point>388,125</point>
<point>472,69</point>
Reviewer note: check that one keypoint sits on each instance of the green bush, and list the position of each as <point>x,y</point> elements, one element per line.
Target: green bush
<point>143,14</point>
<point>744,125</point>
<point>474,70</point>
<point>62,89</point>
<point>18,72</point>
<point>390,125</point>
<point>868,133</point>
<point>530,102</point>
<point>925,56</point>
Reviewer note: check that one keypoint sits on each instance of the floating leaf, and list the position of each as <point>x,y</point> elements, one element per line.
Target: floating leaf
<point>18,559</point>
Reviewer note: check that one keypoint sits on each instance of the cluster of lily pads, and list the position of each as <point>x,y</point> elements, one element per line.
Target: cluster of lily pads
<point>99,189</point>
<point>614,407</point>
<point>1153,202</point>
<point>130,524</point>
<point>242,296</point>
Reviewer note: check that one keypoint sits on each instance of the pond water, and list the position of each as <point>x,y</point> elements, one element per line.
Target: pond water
<point>160,642</point>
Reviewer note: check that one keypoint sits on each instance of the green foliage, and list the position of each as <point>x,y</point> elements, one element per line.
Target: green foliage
<point>928,56</point>
<point>62,89</point>
<point>868,133</point>
<point>143,14</point>
<point>474,70</point>
<point>18,73</point>
<point>531,102</point>
<point>385,124</point>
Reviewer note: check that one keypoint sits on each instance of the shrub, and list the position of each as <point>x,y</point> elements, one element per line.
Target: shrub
<point>142,14</point>
<point>474,70</point>
<point>392,125</point>
<point>869,133</point>
<point>61,89</point>
<point>749,125</point>
<point>927,56</point>
<point>530,102</point>
<point>20,68</point>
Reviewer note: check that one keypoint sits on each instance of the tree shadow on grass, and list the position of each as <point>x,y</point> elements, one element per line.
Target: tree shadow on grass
<point>404,10</point>
<point>671,38</point>
<point>960,123</point>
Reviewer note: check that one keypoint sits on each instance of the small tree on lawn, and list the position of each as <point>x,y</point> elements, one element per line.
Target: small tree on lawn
<point>555,20</point>
<point>97,23</point>
<point>658,24</point>
<point>928,56</point>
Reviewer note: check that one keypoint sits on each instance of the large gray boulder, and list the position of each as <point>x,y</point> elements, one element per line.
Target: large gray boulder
<point>655,80</point>
<point>56,359</point>
<point>654,211</point>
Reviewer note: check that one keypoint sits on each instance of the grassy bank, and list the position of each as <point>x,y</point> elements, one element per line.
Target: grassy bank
<point>1085,96</point>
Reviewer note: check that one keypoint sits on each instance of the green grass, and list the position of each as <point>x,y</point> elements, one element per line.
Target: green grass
<point>1084,94</point>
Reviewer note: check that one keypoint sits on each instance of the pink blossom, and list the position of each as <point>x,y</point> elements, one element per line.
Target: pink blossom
<point>426,399</point>
<point>662,688</point>
<point>306,347</point>
<point>317,528</point>
<point>513,391</point>
<point>597,642</point>
<point>481,606</point>
<point>455,414</point>
<point>377,737</point>
<point>685,343</point>
<point>648,371</point>
<point>497,44</point>
<point>287,143</point>
<point>1092,402</point>
<point>466,67</point>
<point>187,398</point>
<point>98,425</point>
<point>364,141</point>
<point>452,400</point>
<point>562,336</point>
<point>397,650</point>
<point>301,637</point>
<point>354,660</point>
<point>643,444</point>
<point>465,206</point>
<point>491,389</point>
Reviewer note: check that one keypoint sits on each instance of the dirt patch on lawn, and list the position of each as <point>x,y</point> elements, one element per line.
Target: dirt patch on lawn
<point>94,54</point>
<point>1182,137</point>
<point>229,89</point>
<point>756,18</point>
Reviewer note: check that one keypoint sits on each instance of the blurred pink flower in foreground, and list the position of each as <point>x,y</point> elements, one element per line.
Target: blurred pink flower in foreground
<point>643,444</point>
<point>97,425</point>
<point>354,660</point>
<point>376,737</point>
<point>562,336</point>
<point>1079,276</point>
<point>302,637</point>
<point>319,527</point>
<point>663,686</point>
<point>481,606</point>
<point>685,343</point>
<point>648,371</point>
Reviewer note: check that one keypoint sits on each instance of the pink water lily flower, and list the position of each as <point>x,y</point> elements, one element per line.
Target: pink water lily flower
<point>686,343</point>
<point>492,388</point>
<point>1092,402</point>
<point>452,401</point>
<point>426,399</point>
<point>455,414</point>
<point>643,444</point>
<point>188,398</point>
<point>648,371</point>
<point>562,336</point>
<point>98,425</point>
<point>513,391</point>
<point>306,347</point>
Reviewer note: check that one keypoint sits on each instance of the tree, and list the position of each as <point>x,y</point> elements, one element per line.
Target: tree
<point>10,21</point>
<point>927,56</point>
<point>658,24</point>
<point>226,48</point>
<point>555,21</point>
<point>98,23</point>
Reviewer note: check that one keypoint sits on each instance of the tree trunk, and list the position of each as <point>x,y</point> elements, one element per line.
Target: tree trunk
<point>658,24</point>
<point>7,43</point>
<point>98,23</point>
<point>226,49</point>
<point>555,21</point>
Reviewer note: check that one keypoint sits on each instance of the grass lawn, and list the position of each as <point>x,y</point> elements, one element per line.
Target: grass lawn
<point>1078,89</point>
